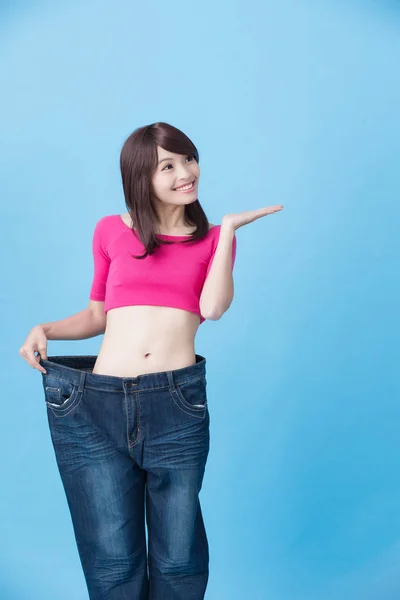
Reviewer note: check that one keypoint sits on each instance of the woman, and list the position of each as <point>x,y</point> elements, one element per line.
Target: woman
<point>130,427</point>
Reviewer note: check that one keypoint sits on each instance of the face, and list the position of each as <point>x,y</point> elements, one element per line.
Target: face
<point>174,171</point>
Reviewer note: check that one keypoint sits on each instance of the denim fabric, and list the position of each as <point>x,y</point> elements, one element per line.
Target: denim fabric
<point>132,451</point>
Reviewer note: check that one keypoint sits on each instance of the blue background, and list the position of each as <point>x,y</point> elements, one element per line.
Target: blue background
<point>293,103</point>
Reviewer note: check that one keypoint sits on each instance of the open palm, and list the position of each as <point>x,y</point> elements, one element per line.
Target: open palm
<point>236,220</point>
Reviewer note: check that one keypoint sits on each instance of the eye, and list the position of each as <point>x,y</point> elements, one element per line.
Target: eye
<point>169,165</point>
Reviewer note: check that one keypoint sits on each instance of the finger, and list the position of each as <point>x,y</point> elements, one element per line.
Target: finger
<point>42,350</point>
<point>38,366</point>
<point>30,358</point>
<point>259,212</point>
<point>271,209</point>
<point>34,362</point>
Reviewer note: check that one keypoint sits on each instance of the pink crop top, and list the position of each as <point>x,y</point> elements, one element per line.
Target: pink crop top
<point>173,276</point>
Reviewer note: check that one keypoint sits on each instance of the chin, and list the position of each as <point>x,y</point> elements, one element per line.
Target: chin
<point>191,201</point>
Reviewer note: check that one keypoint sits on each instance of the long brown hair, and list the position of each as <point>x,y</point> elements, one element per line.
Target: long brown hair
<point>138,162</point>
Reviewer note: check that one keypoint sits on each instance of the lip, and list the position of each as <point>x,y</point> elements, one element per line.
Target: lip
<point>191,189</point>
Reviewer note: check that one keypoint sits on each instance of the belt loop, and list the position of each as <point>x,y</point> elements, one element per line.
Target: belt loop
<point>82,381</point>
<point>170,380</point>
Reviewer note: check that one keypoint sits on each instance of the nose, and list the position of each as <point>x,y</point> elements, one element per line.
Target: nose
<point>186,176</point>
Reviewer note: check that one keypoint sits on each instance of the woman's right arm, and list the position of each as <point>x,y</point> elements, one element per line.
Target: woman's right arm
<point>87,323</point>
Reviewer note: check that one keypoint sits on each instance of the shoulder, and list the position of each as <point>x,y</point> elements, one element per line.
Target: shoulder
<point>212,228</point>
<point>107,222</point>
<point>106,228</point>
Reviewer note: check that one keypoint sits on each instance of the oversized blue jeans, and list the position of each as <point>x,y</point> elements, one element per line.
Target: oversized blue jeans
<point>132,451</point>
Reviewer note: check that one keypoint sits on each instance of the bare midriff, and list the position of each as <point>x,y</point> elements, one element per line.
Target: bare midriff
<point>147,339</point>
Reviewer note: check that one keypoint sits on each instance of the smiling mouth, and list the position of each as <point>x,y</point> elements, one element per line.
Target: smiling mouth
<point>186,189</point>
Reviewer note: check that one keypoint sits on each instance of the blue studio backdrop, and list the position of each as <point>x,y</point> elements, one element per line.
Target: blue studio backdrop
<point>293,103</point>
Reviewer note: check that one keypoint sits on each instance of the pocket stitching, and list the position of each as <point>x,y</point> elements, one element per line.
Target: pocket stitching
<point>53,390</point>
<point>185,406</point>
<point>60,410</point>
<point>199,414</point>
<point>61,414</point>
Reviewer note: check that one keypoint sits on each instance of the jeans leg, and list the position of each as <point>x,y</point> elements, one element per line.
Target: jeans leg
<point>178,547</point>
<point>176,449</point>
<point>105,491</point>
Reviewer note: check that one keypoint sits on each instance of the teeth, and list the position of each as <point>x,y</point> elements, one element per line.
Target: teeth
<point>186,187</point>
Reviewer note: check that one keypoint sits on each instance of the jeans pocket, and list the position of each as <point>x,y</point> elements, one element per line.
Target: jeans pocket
<point>191,396</point>
<point>61,396</point>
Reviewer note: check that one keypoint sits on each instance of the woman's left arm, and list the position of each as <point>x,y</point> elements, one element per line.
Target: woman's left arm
<point>217,293</point>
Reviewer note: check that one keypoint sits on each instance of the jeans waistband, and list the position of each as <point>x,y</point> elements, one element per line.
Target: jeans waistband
<point>77,369</point>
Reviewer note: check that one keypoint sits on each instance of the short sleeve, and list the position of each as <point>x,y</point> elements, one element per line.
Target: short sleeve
<point>101,262</point>
<point>234,243</point>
